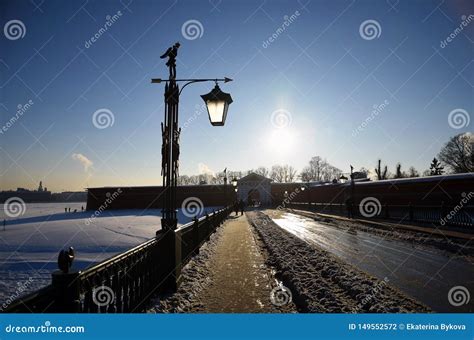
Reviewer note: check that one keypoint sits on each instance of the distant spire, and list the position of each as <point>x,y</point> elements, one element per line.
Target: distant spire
<point>40,188</point>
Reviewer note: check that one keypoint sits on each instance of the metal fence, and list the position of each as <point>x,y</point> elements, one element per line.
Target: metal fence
<point>125,282</point>
<point>459,216</point>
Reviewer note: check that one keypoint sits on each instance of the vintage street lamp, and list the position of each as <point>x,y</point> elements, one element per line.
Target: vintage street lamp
<point>217,103</point>
<point>234,182</point>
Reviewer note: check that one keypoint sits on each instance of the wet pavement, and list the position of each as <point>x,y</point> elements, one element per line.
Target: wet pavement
<point>425,273</point>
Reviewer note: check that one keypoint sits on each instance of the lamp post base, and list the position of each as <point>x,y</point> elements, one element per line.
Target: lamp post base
<point>169,257</point>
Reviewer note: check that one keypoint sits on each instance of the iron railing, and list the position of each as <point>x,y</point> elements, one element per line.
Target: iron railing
<point>123,283</point>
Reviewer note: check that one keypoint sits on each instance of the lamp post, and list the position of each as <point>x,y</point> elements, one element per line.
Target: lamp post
<point>350,200</point>
<point>234,182</point>
<point>226,198</point>
<point>217,103</point>
<point>352,184</point>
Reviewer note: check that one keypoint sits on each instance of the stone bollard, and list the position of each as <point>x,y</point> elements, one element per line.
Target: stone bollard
<point>66,292</point>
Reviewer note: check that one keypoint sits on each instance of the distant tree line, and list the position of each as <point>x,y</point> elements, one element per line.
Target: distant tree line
<point>456,156</point>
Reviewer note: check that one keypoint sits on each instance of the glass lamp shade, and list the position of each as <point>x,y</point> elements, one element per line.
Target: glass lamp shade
<point>217,103</point>
<point>234,182</point>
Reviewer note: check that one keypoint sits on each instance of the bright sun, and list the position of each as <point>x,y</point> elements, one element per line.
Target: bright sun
<point>281,140</point>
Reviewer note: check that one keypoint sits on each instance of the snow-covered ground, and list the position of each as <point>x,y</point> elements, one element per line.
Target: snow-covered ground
<point>30,243</point>
<point>420,270</point>
<point>322,283</point>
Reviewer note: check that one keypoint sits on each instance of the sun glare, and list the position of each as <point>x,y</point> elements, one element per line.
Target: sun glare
<point>281,140</point>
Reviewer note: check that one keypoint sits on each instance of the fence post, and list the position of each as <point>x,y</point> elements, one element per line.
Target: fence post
<point>66,292</point>
<point>410,211</point>
<point>442,212</point>
<point>214,222</point>
<point>207,223</point>
<point>196,239</point>
<point>169,248</point>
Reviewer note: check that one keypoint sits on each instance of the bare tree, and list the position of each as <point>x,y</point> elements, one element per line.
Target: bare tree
<point>319,170</point>
<point>398,172</point>
<point>458,153</point>
<point>277,173</point>
<point>381,174</point>
<point>412,172</point>
<point>183,180</point>
<point>290,173</point>
<point>262,171</point>
<point>283,173</point>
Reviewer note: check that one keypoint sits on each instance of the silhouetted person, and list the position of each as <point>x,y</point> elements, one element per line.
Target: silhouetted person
<point>241,206</point>
<point>82,208</point>
<point>236,208</point>
<point>171,53</point>
<point>65,210</point>
<point>69,209</point>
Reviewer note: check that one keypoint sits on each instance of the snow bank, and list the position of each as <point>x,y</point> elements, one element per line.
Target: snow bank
<point>320,283</point>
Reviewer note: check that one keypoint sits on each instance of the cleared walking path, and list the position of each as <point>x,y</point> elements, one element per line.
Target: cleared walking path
<point>240,280</point>
<point>228,276</point>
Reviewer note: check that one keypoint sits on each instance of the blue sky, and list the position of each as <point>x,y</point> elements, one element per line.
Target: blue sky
<point>311,91</point>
